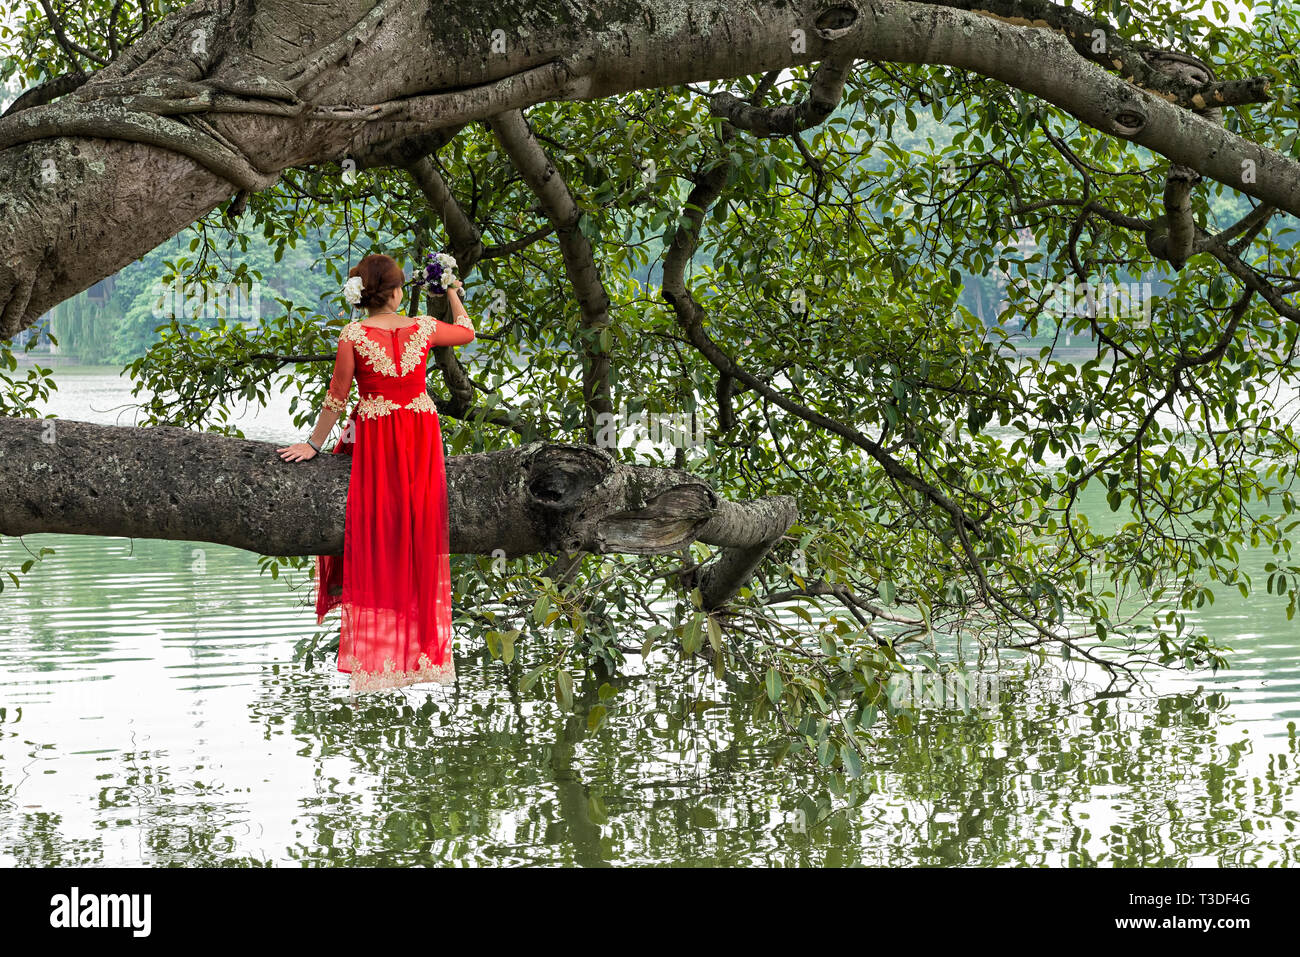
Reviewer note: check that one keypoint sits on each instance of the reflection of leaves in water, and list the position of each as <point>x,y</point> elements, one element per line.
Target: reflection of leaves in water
<point>177,820</point>
<point>485,774</point>
<point>1119,782</point>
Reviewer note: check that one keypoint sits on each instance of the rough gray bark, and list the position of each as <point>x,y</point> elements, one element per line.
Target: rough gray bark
<point>1174,238</point>
<point>169,131</point>
<point>162,482</point>
<point>580,267</point>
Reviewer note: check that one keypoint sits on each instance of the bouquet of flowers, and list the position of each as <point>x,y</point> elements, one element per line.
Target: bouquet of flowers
<point>439,273</point>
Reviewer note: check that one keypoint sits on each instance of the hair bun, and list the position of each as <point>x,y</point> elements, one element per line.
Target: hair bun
<point>379,275</point>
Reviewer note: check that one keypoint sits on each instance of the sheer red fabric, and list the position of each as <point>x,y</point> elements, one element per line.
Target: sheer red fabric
<point>392,583</point>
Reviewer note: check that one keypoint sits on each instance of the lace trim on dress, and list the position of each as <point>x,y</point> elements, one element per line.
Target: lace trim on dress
<point>373,406</point>
<point>380,359</point>
<point>355,333</point>
<point>422,403</point>
<point>333,404</point>
<point>416,344</point>
<point>390,677</point>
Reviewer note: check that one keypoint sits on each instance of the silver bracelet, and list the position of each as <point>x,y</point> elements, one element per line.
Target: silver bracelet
<point>313,445</point>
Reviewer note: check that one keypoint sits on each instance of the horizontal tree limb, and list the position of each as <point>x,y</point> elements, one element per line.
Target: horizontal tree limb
<point>170,483</point>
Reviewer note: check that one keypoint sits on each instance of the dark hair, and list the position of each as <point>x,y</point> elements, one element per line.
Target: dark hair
<point>380,275</point>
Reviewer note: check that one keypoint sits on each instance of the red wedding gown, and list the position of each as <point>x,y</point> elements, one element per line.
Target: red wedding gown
<point>393,581</point>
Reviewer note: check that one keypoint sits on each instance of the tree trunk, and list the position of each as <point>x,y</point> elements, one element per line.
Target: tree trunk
<point>164,482</point>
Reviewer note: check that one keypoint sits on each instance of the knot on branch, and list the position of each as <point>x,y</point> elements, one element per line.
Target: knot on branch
<point>1191,70</point>
<point>558,475</point>
<point>1130,119</point>
<point>834,22</point>
<point>1184,66</point>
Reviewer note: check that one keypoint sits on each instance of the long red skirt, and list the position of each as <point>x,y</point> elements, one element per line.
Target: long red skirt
<point>393,581</point>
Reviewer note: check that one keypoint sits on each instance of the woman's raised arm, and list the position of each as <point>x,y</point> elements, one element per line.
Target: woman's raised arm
<point>452,334</point>
<point>460,330</point>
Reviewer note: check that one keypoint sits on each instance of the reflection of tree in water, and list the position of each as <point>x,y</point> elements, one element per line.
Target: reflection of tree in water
<point>495,776</point>
<point>677,778</point>
<point>487,774</point>
<point>30,837</point>
<point>1114,781</point>
<point>33,838</point>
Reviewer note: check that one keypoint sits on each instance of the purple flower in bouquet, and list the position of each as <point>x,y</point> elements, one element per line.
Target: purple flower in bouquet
<point>439,273</point>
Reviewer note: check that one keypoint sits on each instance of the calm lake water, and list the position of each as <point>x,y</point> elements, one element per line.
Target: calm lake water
<point>151,713</point>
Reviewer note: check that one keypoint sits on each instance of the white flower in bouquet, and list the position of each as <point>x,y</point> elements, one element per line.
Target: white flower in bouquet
<point>439,272</point>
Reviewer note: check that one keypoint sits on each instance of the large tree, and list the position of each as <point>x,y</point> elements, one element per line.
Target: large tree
<point>733,211</point>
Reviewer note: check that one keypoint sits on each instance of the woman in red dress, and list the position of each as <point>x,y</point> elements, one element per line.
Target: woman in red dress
<point>393,581</point>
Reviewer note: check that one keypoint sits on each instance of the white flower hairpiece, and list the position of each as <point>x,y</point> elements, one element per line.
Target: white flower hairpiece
<point>352,290</point>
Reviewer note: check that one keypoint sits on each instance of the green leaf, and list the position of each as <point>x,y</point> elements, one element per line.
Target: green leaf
<point>541,607</point>
<point>564,689</point>
<point>596,809</point>
<point>775,686</point>
<point>852,763</point>
<point>693,635</point>
<point>531,678</point>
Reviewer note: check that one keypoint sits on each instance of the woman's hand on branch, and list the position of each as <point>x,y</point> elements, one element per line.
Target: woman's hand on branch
<point>298,452</point>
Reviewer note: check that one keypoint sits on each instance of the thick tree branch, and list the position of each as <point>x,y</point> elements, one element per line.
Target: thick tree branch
<point>825,90</point>
<point>75,477</point>
<point>537,170</point>
<point>1178,237</point>
<point>1096,40</point>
